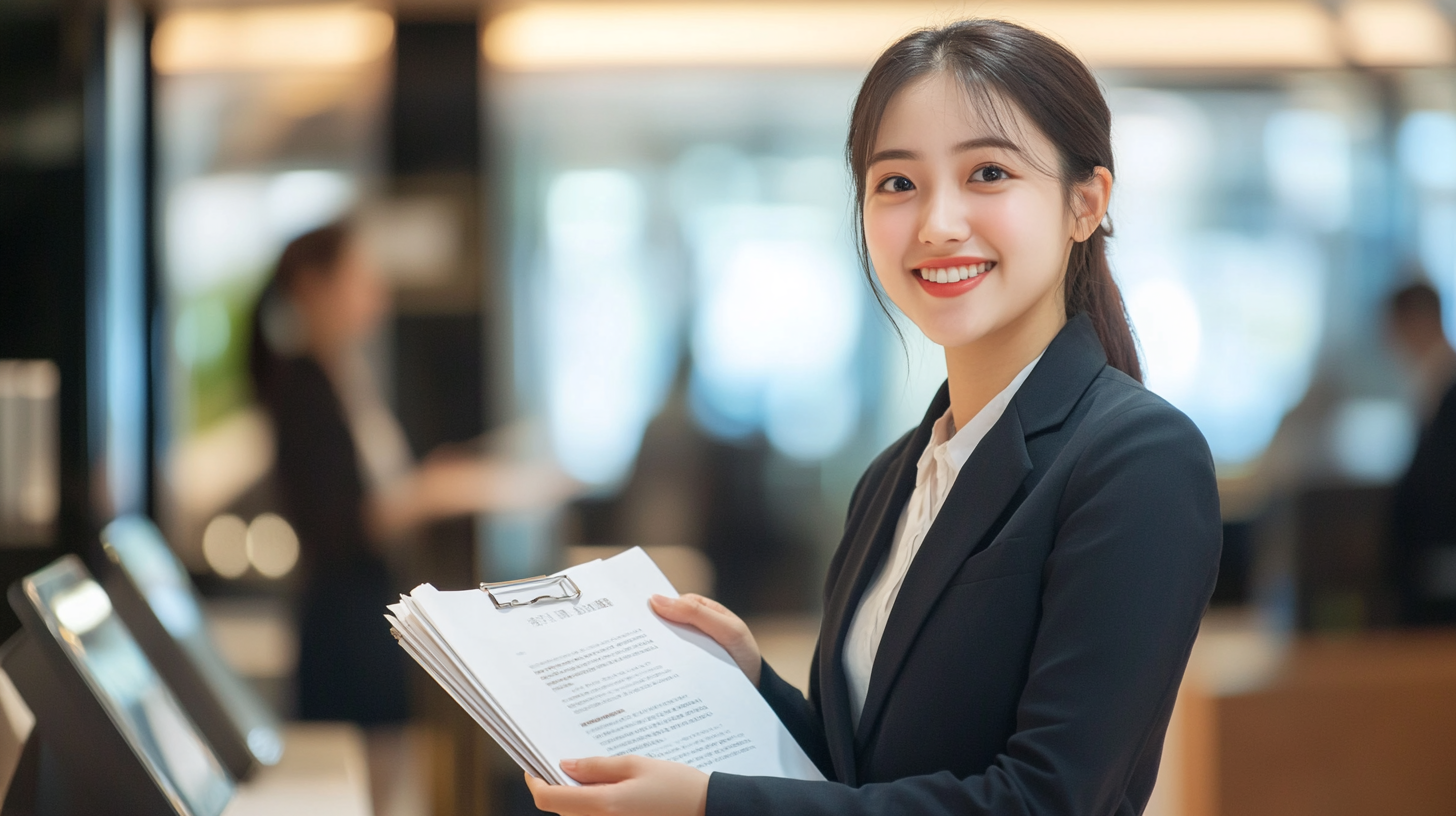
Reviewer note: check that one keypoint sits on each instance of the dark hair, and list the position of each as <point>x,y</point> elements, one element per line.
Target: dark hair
<point>1416,300</point>
<point>314,254</point>
<point>1001,63</point>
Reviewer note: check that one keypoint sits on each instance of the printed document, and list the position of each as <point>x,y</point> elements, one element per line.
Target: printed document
<point>598,675</point>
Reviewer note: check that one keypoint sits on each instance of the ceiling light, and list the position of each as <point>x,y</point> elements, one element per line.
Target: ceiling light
<point>1131,34</point>
<point>1125,33</point>
<point>271,38</point>
<point>575,35</point>
<point>1397,33</point>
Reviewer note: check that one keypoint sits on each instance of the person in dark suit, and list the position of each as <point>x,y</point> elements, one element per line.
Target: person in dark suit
<point>1021,579</point>
<point>1423,506</point>
<point>321,303</point>
<point>348,485</point>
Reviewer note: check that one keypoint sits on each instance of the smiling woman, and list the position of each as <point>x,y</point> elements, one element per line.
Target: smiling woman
<point>1021,577</point>
<point>1017,142</point>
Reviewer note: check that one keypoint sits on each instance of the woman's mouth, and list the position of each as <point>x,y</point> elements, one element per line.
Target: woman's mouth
<point>949,281</point>
<point>955,274</point>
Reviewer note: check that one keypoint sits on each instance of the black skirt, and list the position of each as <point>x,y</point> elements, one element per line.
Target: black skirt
<point>349,666</point>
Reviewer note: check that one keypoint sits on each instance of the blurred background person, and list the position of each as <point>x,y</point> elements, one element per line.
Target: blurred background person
<point>1413,317</point>
<point>347,482</point>
<point>1423,510</point>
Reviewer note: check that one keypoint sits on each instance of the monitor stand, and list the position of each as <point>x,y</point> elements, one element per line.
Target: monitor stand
<point>75,761</point>
<point>23,796</point>
<point>37,787</point>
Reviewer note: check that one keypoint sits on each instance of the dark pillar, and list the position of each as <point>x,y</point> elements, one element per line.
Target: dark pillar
<point>58,292</point>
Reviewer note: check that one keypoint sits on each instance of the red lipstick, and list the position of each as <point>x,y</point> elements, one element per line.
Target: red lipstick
<point>959,265</point>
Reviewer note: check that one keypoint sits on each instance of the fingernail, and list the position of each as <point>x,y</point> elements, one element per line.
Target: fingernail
<point>568,764</point>
<point>660,599</point>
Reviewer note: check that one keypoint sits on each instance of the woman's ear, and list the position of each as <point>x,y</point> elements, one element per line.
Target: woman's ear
<point>1091,198</point>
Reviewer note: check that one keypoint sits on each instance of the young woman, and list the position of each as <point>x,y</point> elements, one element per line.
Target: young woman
<point>1021,577</point>
<point>348,483</point>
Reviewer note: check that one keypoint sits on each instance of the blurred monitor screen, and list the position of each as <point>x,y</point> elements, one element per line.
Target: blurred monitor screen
<point>230,714</point>
<point>78,615</point>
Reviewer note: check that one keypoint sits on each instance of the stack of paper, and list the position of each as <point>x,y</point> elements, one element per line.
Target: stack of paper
<point>597,675</point>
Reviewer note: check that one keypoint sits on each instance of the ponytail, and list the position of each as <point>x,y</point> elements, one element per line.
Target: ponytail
<point>1091,290</point>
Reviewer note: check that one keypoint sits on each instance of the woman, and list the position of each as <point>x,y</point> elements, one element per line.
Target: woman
<point>323,302</point>
<point>1021,577</point>
<point>345,476</point>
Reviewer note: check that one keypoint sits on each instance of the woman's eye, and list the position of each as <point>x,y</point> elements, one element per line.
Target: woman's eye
<point>896,184</point>
<point>989,173</point>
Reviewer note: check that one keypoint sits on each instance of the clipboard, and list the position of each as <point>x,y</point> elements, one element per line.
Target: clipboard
<point>528,591</point>
<point>518,593</point>
<point>548,681</point>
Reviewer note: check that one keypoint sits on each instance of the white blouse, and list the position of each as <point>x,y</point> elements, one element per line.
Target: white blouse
<point>936,471</point>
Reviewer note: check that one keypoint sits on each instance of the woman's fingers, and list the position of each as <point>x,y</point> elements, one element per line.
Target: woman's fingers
<point>695,610</point>
<point>705,613</point>
<point>623,786</point>
<point>568,800</point>
<point>597,770</point>
<point>535,785</point>
<point>717,622</point>
<point>548,797</point>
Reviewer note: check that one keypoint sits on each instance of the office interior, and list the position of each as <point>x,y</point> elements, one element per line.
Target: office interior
<point>616,238</point>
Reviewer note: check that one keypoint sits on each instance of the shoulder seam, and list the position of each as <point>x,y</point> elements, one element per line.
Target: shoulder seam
<point>1112,421</point>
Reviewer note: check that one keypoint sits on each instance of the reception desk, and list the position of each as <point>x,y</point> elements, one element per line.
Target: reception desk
<point>1315,726</point>
<point>324,772</point>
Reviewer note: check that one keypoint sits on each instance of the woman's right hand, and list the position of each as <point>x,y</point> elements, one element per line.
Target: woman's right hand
<point>717,622</point>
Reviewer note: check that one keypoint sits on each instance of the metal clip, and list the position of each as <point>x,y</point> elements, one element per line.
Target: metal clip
<point>564,589</point>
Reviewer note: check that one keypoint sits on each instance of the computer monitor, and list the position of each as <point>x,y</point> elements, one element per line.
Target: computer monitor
<point>113,738</point>
<point>155,597</point>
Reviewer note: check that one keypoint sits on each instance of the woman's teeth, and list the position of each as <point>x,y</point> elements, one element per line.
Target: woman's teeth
<point>951,274</point>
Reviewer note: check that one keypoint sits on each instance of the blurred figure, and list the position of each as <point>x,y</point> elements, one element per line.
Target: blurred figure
<point>348,484</point>
<point>1423,510</point>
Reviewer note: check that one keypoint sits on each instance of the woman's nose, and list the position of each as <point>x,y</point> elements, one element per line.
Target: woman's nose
<point>944,219</point>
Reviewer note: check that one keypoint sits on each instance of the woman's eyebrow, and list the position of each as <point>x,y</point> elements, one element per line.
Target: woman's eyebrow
<point>969,144</point>
<point>987,141</point>
<point>894,155</point>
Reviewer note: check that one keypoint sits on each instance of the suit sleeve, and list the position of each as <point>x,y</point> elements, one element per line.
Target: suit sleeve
<point>1124,588</point>
<point>799,716</point>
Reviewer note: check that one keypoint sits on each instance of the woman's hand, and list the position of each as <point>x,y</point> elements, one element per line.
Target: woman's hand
<point>715,621</point>
<point>449,483</point>
<point>624,786</point>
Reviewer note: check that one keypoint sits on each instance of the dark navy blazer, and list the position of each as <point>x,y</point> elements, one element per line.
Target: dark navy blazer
<point>1032,657</point>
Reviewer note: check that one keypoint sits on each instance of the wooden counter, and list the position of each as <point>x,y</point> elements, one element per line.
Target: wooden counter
<point>1320,726</point>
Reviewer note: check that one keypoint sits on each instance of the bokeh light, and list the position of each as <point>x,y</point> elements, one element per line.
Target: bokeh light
<point>271,545</point>
<point>225,545</point>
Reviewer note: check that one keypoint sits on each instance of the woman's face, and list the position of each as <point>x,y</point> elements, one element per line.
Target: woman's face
<point>967,224</point>
<point>344,306</point>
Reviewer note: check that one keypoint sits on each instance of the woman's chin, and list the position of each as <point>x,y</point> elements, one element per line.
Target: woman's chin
<point>951,330</point>
<point>953,338</point>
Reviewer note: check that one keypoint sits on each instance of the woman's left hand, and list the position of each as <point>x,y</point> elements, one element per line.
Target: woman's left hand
<point>618,786</point>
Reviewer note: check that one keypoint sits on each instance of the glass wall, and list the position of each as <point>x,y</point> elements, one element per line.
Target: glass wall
<point>690,229</point>
<point>1426,149</point>
<point>697,222</point>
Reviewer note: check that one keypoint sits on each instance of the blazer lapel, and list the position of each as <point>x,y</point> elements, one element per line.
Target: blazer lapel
<point>1070,364</point>
<point>987,483</point>
<point>871,539</point>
